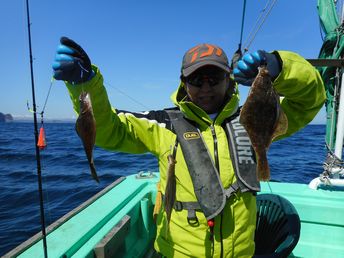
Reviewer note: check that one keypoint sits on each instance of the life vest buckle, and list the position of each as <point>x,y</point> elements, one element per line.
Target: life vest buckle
<point>178,206</point>
<point>192,218</point>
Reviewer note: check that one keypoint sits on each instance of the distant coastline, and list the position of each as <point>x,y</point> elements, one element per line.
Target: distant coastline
<point>5,118</point>
<point>46,120</point>
<point>29,119</point>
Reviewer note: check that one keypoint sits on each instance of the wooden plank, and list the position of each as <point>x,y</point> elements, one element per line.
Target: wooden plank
<point>109,245</point>
<point>327,62</point>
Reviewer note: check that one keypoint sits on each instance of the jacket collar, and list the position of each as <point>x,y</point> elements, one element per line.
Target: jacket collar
<point>193,112</point>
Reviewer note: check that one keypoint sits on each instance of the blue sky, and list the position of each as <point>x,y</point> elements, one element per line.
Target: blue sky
<point>138,45</point>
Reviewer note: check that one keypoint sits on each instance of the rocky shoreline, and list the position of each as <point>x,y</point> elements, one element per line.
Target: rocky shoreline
<point>5,117</point>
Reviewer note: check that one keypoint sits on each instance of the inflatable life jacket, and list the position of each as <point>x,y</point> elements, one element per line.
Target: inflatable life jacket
<point>209,191</point>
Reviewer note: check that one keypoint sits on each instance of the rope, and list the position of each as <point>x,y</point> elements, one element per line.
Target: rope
<point>259,23</point>
<point>333,167</point>
<point>332,160</point>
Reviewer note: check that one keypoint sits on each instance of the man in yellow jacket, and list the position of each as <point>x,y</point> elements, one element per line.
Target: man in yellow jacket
<point>213,213</point>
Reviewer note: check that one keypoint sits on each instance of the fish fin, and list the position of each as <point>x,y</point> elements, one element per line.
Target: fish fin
<point>94,172</point>
<point>282,125</point>
<point>170,190</point>
<point>263,170</point>
<point>77,128</point>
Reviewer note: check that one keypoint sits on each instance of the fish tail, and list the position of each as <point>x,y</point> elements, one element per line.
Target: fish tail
<point>94,172</point>
<point>170,190</point>
<point>263,170</point>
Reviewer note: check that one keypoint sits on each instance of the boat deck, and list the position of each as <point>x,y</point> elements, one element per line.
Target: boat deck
<point>78,232</point>
<point>321,212</point>
<point>119,220</point>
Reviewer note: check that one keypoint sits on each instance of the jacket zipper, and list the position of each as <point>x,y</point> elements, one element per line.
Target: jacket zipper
<point>216,157</point>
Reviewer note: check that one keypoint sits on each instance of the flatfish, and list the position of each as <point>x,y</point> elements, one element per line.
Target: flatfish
<point>86,129</point>
<point>263,119</point>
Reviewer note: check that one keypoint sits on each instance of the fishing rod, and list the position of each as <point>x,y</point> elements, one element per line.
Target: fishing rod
<point>242,24</point>
<point>38,158</point>
<point>238,53</point>
<point>259,23</point>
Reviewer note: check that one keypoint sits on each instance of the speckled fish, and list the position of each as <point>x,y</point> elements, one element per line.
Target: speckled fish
<point>86,129</point>
<point>263,119</point>
<point>170,190</point>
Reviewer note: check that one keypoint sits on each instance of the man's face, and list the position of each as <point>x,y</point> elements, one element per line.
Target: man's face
<point>207,88</point>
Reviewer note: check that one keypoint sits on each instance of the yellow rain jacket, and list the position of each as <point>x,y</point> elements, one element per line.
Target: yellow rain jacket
<point>303,96</point>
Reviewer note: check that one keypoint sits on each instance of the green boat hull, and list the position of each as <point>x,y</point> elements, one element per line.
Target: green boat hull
<point>118,221</point>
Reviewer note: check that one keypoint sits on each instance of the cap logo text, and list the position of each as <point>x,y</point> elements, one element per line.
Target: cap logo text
<point>208,52</point>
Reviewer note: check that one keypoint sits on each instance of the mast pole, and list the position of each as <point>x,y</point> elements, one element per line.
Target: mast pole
<point>340,122</point>
<point>38,159</point>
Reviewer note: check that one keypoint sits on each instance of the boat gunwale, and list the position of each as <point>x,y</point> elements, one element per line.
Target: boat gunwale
<point>38,237</point>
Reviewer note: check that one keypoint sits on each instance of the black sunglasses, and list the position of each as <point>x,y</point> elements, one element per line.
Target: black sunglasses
<point>212,78</point>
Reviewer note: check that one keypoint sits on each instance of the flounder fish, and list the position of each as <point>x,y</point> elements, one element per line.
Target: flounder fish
<point>263,119</point>
<point>86,129</point>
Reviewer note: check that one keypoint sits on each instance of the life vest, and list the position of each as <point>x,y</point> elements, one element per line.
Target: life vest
<point>209,191</point>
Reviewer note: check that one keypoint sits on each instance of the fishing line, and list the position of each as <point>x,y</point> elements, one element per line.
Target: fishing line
<point>259,23</point>
<point>129,97</point>
<point>45,102</point>
<point>41,142</point>
<point>256,24</point>
<point>47,198</point>
<point>46,99</point>
<point>82,70</point>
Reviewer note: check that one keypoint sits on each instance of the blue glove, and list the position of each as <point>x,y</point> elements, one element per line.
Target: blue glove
<point>247,67</point>
<point>71,63</point>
